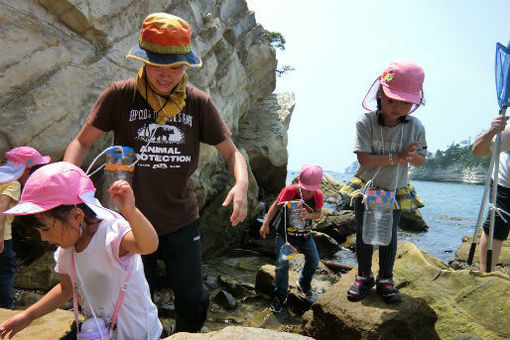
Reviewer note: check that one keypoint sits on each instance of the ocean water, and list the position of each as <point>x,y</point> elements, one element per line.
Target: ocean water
<point>451,210</point>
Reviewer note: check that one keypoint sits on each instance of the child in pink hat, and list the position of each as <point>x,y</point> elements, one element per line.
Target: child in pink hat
<point>388,138</point>
<point>21,161</point>
<point>308,199</point>
<point>96,247</point>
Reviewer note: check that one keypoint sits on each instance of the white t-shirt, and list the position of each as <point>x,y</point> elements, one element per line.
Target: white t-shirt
<point>103,273</point>
<point>504,158</point>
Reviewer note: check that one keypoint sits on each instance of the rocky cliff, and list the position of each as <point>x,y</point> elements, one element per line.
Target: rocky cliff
<point>59,55</point>
<point>452,173</point>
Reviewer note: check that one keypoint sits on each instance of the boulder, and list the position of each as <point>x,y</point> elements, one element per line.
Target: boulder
<point>239,333</point>
<point>413,221</point>
<point>51,326</point>
<point>438,302</point>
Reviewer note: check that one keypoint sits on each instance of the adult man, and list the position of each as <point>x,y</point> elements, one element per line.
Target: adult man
<point>164,120</point>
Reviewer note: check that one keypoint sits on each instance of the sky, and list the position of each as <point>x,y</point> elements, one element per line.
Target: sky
<point>339,47</point>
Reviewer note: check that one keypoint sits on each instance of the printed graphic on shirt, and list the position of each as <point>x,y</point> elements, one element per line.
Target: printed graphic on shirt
<point>161,149</point>
<point>380,148</point>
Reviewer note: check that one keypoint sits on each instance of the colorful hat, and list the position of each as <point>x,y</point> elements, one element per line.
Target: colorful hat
<point>310,177</point>
<point>165,40</point>
<point>19,159</point>
<point>401,80</point>
<point>56,184</point>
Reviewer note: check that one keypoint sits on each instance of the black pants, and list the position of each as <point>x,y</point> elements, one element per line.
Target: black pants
<point>364,251</point>
<point>182,256</point>
<point>501,228</point>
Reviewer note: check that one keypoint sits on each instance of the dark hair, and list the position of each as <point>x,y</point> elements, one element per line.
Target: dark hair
<point>60,213</point>
<point>380,118</point>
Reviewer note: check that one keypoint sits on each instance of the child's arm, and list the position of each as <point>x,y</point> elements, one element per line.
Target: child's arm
<point>142,238</point>
<point>5,200</point>
<point>273,209</point>
<point>55,298</point>
<point>310,215</point>
<point>407,155</point>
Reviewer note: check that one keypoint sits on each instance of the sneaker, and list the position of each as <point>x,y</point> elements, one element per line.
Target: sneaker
<point>386,288</point>
<point>359,290</point>
<point>278,303</point>
<point>305,289</point>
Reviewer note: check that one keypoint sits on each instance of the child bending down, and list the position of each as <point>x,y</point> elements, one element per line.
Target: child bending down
<point>97,255</point>
<point>307,197</point>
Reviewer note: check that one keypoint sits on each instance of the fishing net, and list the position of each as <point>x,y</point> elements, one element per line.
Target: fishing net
<point>502,71</point>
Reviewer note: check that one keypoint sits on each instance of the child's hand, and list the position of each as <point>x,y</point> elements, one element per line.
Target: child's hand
<point>123,197</point>
<point>304,214</point>
<point>14,324</point>
<point>407,155</point>
<point>264,230</point>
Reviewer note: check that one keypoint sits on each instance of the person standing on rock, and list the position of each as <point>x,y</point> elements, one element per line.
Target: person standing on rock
<point>387,140</point>
<point>483,147</point>
<point>164,120</point>
<point>296,232</point>
<point>21,161</point>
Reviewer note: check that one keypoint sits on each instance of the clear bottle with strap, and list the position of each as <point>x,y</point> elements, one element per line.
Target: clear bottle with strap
<point>119,166</point>
<point>378,217</point>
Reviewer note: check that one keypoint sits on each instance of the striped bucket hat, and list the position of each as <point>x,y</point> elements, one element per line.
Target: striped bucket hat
<point>165,40</point>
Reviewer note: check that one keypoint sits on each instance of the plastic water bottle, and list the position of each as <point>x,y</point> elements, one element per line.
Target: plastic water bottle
<point>89,330</point>
<point>117,166</point>
<point>295,219</point>
<point>378,217</point>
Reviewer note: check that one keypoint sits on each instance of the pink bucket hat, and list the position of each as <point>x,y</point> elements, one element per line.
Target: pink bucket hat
<point>19,159</point>
<point>310,177</point>
<point>401,80</point>
<point>55,184</point>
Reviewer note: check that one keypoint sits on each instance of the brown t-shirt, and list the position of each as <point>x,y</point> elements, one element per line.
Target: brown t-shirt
<point>161,183</point>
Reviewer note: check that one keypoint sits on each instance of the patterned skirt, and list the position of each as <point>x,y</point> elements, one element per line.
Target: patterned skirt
<point>406,197</point>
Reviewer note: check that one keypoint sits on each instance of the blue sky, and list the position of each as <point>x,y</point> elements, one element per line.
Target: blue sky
<point>338,48</point>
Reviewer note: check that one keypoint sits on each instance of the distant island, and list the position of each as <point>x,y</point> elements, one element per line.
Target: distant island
<point>455,164</point>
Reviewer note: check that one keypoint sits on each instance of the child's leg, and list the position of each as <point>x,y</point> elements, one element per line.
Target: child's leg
<point>387,253</point>
<point>308,248</point>
<point>363,251</point>
<point>7,271</point>
<point>281,270</point>
<point>181,253</point>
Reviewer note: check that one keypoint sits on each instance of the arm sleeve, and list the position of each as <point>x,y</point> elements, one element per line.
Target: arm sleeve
<point>102,113</point>
<point>13,190</point>
<point>362,142</point>
<point>213,129</point>
<point>319,200</point>
<point>119,228</point>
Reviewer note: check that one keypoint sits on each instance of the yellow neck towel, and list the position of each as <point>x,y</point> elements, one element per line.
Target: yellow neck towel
<point>165,106</point>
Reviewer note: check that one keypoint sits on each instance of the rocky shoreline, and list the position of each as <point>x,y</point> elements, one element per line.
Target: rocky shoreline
<point>441,301</point>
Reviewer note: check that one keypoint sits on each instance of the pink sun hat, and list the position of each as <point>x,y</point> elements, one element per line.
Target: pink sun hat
<point>19,159</point>
<point>401,80</point>
<point>59,183</point>
<point>310,177</point>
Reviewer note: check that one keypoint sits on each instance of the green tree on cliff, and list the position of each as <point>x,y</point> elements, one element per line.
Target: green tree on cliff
<point>278,42</point>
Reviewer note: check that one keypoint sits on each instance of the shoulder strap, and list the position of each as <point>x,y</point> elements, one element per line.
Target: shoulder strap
<point>118,304</point>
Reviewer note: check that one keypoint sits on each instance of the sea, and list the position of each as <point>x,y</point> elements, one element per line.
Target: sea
<point>451,211</point>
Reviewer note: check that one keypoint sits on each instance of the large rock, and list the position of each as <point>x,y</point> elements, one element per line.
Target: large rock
<point>51,326</point>
<point>240,333</point>
<point>464,302</point>
<point>264,136</point>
